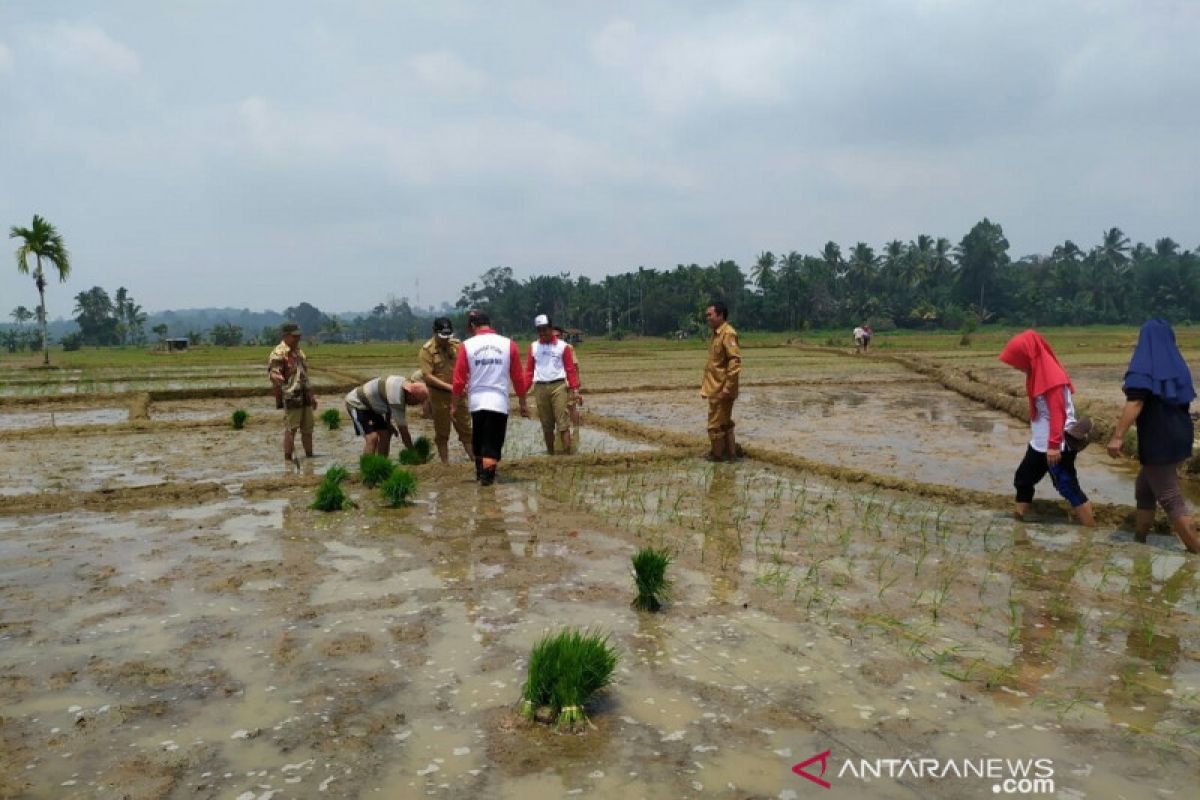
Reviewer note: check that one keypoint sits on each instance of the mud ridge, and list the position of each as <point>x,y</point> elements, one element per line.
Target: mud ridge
<point>159,395</point>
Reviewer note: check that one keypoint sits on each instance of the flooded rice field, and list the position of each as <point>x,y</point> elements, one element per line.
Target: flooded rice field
<point>912,429</point>
<point>176,621</point>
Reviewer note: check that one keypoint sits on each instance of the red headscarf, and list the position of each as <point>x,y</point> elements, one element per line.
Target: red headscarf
<point>1030,353</point>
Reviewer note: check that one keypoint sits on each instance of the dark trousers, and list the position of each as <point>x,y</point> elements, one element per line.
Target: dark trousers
<point>490,428</point>
<point>1034,467</point>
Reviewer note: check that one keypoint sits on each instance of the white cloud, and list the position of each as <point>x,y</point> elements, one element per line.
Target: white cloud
<point>496,151</point>
<point>616,44</point>
<point>444,72</point>
<point>737,58</point>
<point>88,48</point>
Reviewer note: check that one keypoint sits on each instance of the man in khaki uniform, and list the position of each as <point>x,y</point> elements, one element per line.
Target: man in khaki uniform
<point>720,385</point>
<point>437,371</point>
<point>287,367</point>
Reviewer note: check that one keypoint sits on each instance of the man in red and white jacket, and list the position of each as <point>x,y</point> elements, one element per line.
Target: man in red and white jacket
<point>550,370</point>
<point>486,365</point>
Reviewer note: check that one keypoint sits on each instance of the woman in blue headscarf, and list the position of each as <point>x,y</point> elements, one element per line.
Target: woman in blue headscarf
<point>1158,389</point>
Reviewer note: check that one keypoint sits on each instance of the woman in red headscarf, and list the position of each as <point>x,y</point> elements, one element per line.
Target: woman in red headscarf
<point>1051,411</point>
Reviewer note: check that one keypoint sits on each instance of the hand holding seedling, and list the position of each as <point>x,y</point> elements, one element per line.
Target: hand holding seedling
<point>1114,446</point>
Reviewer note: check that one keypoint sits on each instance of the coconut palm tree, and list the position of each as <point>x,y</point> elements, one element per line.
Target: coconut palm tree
<point>41,241</point>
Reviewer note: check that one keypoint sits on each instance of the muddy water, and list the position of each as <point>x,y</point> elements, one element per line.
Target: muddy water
<point>48,419</point>
<point>146,457</point>
<point>914,430</point>
<point>258,649</point>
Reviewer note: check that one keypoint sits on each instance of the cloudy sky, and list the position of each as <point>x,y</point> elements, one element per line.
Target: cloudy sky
<point>256,154</point>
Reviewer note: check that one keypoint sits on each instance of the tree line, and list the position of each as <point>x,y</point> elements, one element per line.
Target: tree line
<point>926,282</point>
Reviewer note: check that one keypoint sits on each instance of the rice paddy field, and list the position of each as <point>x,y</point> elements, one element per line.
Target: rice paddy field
<point>176,621</point>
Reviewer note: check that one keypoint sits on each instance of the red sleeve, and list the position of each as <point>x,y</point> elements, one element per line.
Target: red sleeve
<point>530,365</point>
<point>514,369</point>
<point>569,366</point>
<point>460,372</point>
<point>1057,407</point>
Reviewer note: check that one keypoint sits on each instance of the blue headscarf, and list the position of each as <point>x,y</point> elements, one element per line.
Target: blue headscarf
<point>1158,366</point>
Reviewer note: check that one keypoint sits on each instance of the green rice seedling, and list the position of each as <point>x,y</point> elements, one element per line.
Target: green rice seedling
<point>650,578</point>
<point>565,670</point>
<point>239,419</point>
<point>330,495</point>
<point>399,489</point>
<point>419,453</point>
<point>332,418</point>
<point>374,469</point>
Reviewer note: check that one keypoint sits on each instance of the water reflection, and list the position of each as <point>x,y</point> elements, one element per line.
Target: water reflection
<point>1142,694</point>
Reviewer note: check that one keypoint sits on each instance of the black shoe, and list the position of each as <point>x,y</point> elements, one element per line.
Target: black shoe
<point>488,477</point>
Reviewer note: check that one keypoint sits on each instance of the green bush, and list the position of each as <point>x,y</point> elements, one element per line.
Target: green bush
<point>565,670</point>
<point>400,489</point>
<point>650,577</point>
<point>332,418</point>
<point>330,495</point>
<point>239,419</point>
<point>374,469</point>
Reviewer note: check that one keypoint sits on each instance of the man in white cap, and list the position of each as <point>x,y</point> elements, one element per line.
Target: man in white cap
<point>487,364</point>
<point>377,410</point>
<point>552,373</point>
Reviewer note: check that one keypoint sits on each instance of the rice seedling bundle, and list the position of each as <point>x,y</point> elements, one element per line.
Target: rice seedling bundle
<point>399,489</point>
<point>330,495</point>
<point>374,469</point>
<point>239,419</point>
<point>332,418</point>
<point>650,578</point>
<point>565,670</point>
<point>419,453</point>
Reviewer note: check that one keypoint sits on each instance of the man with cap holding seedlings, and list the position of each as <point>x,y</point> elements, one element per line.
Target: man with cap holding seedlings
<point>551,371</point>
<point>486,365</point>
<point>437,370</point>
<point>287,367</point>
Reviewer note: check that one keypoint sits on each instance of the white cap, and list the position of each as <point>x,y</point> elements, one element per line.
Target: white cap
<point>541,320</point>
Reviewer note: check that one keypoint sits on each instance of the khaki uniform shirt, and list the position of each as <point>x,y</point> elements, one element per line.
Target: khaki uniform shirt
<point>290,368</point>
<point>438,361</point>
<point>724,363</point>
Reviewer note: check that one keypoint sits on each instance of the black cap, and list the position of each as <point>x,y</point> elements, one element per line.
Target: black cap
<point>289,327</point>
<point>443,327</point>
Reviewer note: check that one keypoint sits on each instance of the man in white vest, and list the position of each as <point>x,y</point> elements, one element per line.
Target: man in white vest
<point>486,365</point>
<point>551,372</point>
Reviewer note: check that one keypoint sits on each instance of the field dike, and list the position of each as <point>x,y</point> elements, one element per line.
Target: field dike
<point>179,493</point>
<point>43,402</point>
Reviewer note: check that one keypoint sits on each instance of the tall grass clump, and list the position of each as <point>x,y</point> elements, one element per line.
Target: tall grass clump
<point>565,670</point>
<point>330,495</point>
<point>239,419</point>
<point>650,577</point>
<point>374,469</point>
<point>332,418</point>
<point>399,489</point>
<point>419,453</point>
